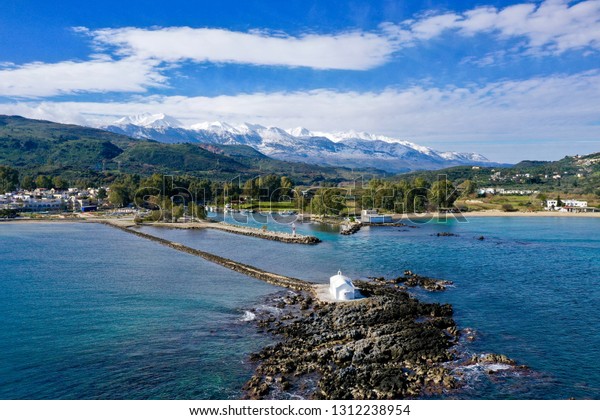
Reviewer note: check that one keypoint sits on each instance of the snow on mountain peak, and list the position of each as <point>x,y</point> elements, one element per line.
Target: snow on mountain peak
<point>148,120</point>
<point>347,148</point>
<point>215,127</point>
<point>299,132</point>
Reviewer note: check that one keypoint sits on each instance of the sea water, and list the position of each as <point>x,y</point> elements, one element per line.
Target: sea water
<point>92,312</point>
<point>530,288</point>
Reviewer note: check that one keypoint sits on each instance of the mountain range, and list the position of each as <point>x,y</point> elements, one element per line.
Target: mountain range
<point>74,152</point>
<point>349,149</point>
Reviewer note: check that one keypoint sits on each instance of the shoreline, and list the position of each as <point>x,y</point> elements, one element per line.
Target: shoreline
<point>493,213</point>
<point>300,238</point>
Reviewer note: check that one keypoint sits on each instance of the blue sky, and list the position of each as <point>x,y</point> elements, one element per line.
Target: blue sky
<point>512,80</point>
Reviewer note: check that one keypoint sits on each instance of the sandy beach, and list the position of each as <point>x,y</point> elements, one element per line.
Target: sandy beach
<point>493,213</point>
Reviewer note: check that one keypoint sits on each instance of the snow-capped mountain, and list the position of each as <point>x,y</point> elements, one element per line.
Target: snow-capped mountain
<point>147,120</point>
<point>351,149</point>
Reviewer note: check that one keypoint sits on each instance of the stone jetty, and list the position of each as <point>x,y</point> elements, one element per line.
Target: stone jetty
<point>264,234</point>
<point>351,229</point>
<point>242,230</point>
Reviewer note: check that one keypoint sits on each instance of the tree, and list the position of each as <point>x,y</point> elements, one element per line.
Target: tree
<point>177,212</point>
<point>196,211</point>
<point>442,194</point>
<point>286,187</point>
<point>384,196</point>
<point>415,198</point>
<point>468,188</point>
<point>269,187</point>
<point>201,190</point>
<point>27,183</point>
<point>328,201</point>
<point>507,207</point>
<point>559,202</point>
<point>119,195</point>
<point>43,181</point>
<point>59,183</point>
<point>101,194</point>
<point>251,188</point>
<point>9,179</point>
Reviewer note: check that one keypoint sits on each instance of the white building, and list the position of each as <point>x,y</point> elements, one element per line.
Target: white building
<point>575,203</point>
<point>484,191</point>
<point>566,204</point>
<point>341,287</point>
<point>371,216</point>
<point>44,204</point>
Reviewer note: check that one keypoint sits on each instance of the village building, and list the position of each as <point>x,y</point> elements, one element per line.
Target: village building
<point>372,216</point>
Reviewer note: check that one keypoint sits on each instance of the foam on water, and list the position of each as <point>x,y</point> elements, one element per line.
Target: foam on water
<point>248,316</point>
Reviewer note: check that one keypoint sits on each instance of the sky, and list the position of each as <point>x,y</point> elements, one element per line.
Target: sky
<point>512,80</point>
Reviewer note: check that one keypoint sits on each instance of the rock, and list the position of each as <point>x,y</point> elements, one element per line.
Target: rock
<point>351,229</point>
<point>490,358</point>
<point>375,348</point>
<point>411,279</point>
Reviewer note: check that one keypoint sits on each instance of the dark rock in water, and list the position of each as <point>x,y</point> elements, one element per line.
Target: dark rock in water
<point>411,279</point>
<point>469,333</point>
<point>387,346</point>
<point>445,234</point>
<point>481,238</point>
<point>491,358</point>
<point>351,229</point>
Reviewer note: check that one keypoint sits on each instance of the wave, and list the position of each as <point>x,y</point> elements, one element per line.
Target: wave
<point>248,316</point>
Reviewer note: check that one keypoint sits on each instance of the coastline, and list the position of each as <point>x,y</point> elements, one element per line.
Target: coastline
<point>493,213</point>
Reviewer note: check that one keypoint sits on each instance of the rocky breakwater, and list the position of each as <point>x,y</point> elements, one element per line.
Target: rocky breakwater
<point>264,233</point>
<point>351,229</point>
<point>386,346</point>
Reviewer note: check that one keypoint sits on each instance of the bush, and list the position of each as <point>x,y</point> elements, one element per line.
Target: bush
<point>508,207</point>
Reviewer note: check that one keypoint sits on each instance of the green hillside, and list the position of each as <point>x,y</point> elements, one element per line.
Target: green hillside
<point>41,147</point>
<point>572,174</point>
<point>46,146</point>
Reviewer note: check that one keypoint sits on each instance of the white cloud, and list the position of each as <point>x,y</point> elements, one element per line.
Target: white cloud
<point>553,26</point>
<point>101,74</point>
<point>559,107</point>
<point>433,26</point>
<point>348,51</point>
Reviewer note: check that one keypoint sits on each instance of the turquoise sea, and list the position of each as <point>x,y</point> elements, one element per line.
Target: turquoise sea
<point>90,312</point>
